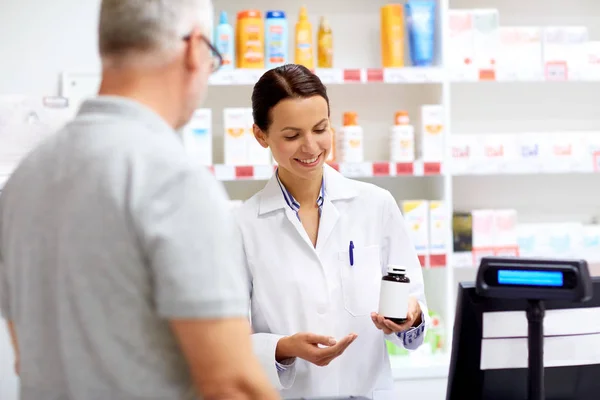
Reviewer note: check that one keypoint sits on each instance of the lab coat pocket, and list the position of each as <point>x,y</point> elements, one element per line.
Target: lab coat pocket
<point>361,281</point>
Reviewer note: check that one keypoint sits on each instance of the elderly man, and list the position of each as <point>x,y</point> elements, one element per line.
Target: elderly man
<point>121,274</point>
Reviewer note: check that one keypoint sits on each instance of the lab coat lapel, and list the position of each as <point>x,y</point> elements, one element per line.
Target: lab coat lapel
<point>329,218</point>
<point>337,188</point>
<point>271,199</point>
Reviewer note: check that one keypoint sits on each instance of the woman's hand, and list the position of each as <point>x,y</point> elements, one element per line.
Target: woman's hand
<point>413,318</point>
<point>317,349</point>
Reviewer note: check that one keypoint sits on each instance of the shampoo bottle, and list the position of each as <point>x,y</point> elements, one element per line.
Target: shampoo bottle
<point>402,139</point>
<point>276,39</point>
<point>350,140</point>
<point>421,31</point>
<point>250,45</point>
<point>392,36</point>
<point>324,45</point>
<point>224,42</point>
<point>303,41</point>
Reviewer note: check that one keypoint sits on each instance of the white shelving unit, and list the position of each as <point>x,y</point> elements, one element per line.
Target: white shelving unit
<point>509,105</point>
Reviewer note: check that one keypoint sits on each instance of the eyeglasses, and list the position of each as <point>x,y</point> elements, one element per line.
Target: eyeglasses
<point>217,58</point>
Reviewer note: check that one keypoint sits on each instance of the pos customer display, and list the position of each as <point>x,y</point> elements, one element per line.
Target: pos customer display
<point>499,347</point>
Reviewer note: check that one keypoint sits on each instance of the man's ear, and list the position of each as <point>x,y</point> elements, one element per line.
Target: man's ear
<point>260,136</point>
<point>192,54</point>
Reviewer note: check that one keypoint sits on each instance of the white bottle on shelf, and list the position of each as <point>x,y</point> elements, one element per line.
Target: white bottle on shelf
<point>236,136</point>
<point>350,147</point>
<point>257,155</point>
<point>197,137</point>
<point>402,139</point>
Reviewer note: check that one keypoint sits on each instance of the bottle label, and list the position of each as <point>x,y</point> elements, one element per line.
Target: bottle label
<point>393,299</point>
<point>251,49</point>
<point>224,47</point>
<point>275,49</point>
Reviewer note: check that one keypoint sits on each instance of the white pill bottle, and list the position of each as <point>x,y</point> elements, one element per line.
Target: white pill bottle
<point>393,295</point>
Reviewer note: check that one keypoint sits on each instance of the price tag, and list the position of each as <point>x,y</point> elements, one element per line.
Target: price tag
<point>352,75</point>
<point>374,75</point>
<point>418,75</point>
<point>356,170</point>
<point>557,71</point>
<point>487,75</point>
<point>330,75</point>
<point>244,172</point>
<point>404,168</point>
<point>224,172</point>
<point>222,78</point>
<point>394,75</point>
<point>381,169</point>
<point>437,260</point>
<point>463,74</point>
<point>433,75</point>
<point>263,172</point>
<point>432,168</point>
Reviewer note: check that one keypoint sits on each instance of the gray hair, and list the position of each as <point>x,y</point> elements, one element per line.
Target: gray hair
<point>153,28</point>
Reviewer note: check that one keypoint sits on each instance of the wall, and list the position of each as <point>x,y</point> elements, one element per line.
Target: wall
<point>40,39</point>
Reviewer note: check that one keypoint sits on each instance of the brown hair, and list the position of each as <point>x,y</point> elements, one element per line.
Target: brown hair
<point>277,84</point>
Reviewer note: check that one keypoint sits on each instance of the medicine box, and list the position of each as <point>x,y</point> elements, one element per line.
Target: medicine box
<point>416,217</point>
<point>486,39</point>
<point>460,52</point>
<point>438,233</point>
<point>236,136</point>
<point>197,137</point>
<point>432,133</point>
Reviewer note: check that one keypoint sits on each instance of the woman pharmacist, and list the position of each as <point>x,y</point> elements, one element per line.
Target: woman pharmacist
<point>317,245</point>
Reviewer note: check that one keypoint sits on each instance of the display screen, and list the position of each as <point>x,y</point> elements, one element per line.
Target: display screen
<point>530,278</point>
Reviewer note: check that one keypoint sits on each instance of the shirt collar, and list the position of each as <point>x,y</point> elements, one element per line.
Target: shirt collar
<point>293,203</point>
<point>335,187</point>
<point>123,107</point>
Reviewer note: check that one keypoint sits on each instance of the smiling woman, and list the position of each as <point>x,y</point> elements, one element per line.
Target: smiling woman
<point>291,114</point>
<point>316,246</point>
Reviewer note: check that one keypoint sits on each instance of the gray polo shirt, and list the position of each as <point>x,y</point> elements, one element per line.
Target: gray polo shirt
<point>107,231</point>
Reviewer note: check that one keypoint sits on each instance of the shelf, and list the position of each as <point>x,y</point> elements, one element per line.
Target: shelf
<point>420,367</point>
<point>340,76</point>
<point>531,171</point>
<point>499,75</point>
<point>350,170</point>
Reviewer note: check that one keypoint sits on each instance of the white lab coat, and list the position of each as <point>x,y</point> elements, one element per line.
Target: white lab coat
<point>296,287</point>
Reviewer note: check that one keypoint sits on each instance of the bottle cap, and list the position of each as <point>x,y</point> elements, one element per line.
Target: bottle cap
<point>324,23</point>
<point>275,14</point>
<point>303,14</point>
<point>401,118</point>
<point>223,18</point>
<point>396,269</point>
<point>350,118</point>
<point>249,14</point>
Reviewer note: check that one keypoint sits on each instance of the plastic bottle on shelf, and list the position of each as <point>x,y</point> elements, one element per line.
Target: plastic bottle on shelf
<point>250,43</point>
<point>276,39</point>
<point>350,147</point>
<point>303,43</point>
<point>224,42</point>
<point>392,36</point>
<point>402,139</point>
<point>325,44</point>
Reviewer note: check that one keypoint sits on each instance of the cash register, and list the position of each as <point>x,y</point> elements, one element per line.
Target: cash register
<point>519,315</point>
